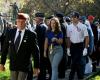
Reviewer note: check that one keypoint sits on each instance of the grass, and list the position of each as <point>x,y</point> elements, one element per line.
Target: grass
<point>97,77</point>
<point>5,75</point>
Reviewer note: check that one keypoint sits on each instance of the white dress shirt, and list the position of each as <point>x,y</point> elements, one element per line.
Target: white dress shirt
<point>22,34</point>
<point>77,33</point>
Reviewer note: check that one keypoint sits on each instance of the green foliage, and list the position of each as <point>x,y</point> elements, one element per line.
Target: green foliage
<point>85,7</point>
<point>49,7</point>
<point>4,75</point>
<point>89,1</point>
<point>97,77</point>
<point>65,6</point>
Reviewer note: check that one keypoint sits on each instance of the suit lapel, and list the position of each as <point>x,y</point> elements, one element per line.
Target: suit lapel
<point>13,35</point>
<point>12,38</point>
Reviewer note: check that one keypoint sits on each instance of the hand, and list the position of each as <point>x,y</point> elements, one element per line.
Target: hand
<point>45,54</point>
<point>54,39</point>
<point>68,52</point>
<point>85,52</point>
<point>36,71</point>
<point>2,68</point>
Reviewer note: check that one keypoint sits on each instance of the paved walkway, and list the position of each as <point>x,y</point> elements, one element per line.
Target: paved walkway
<point>67,75</point>
<point>85,77</point>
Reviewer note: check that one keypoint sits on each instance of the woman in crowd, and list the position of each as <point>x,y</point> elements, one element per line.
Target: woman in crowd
<point>53,42</point>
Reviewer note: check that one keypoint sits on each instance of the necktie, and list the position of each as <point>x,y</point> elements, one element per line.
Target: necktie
<point>17,41</point>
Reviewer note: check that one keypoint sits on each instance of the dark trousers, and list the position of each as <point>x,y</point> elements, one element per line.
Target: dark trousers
<point>69,62</point>
<point>62,65</point>
<point>30,74</point>
<point>48,68</point>
<point>42,74</point>
<point>77,68</point>
<point>93,56</point>
<point>98,57</point>
<point>2,38</point>
<point>78,62</point>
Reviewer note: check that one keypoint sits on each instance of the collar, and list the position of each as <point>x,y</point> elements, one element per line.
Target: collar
<point>77,24</point>
<point>23,30</point>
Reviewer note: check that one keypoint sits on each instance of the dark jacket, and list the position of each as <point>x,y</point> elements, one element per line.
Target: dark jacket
<point>21,60</point>
<point>41,31</point>
<point>95,32</point>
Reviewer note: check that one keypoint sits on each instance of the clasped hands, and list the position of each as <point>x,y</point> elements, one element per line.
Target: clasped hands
<point>54,39</point>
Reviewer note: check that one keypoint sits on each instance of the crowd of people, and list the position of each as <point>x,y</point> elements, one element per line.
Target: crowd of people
<point>50,46</point>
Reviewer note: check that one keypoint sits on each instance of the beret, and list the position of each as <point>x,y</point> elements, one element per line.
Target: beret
<point>90,17</point>
<point>22,16</point>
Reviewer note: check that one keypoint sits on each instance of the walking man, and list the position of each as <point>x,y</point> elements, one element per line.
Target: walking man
<point>77,46</point>
<point>22,45</point>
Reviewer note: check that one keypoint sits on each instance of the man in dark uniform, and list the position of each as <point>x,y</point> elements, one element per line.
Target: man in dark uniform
<point>62,65</point>
<point>41,30</point>
<point>95,33</point>
<point>1,30</point>
<point>22,45</point>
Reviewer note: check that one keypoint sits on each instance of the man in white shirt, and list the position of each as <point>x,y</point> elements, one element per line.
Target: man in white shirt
<point>78,40</point>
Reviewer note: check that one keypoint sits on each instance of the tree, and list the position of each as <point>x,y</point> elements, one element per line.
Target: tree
<point>52,6</point>
<point>85,7</point>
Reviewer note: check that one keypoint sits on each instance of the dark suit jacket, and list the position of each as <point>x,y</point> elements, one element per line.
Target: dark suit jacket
<point>21,60</point>
<point>95,32</point>
<point>41,30</point>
